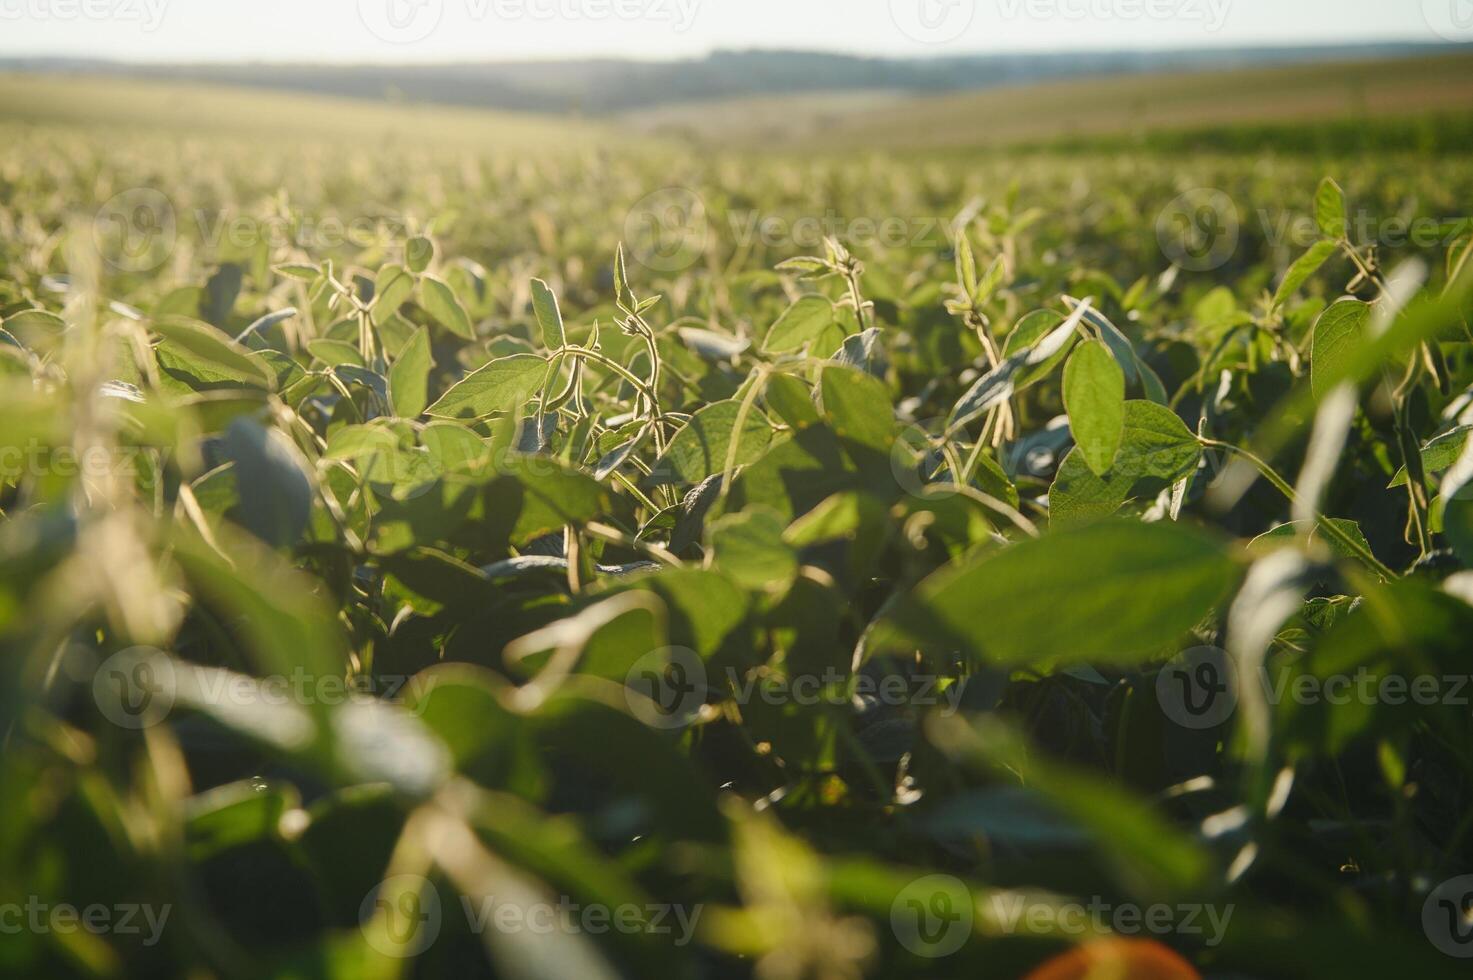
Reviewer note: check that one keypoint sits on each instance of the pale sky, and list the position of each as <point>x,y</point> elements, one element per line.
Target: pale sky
<point>441,30</point>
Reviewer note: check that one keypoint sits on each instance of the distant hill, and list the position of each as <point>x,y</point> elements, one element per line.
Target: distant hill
<point>1327,104</point>
<point>606,86</point>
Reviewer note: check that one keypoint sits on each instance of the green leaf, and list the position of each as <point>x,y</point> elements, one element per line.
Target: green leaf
<point>544,303</point>
<point>700,449</point>
<point>454,448</point>
<point>501,386</point>
<point>1288,533</point>
<point>299,272</point>
<point>357,441</point>
<point>802,323</point>
<point>418,253</point>
<point>439,301</point>
<point>393,286</point>
<point>1303,268</point>
<point>1329,209</point>
<point>1156,451</point>
<point>409,377</point>
<point>791,399</point>
<point>857,406</point>
<point>1339,333</point>
<point>1113,592</point>
<point>206,353</point>
<point>1094,396</point>
<point>750,548</point>
<point>335,353</point>
<point>274,481</point>
<point>1438,454</point>
<point>1000,384</point>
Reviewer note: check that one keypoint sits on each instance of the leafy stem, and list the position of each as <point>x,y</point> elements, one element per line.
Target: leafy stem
<point>1329,527</point>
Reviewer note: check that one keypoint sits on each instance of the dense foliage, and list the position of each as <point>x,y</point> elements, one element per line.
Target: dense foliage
<point>738,541</point>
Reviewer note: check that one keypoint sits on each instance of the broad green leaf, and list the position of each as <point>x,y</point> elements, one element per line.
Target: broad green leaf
<point>1340,331</point>
<point>750,548</point>
<point>549,317</point>
<point>391,289</point>
<point>454,448</point>
<point>802,323</point>
<point>1438,454</point>
<point>274,481</point>
<point>439,301</point>
<point>30,325</point>
<point>791,400</point>
<point>207,354</point>
<point>701,448</point>
<point>1094,396</point>
<point>999,384</point>
<point>1303,268</point>
<point>857,406</point>
<point>501,386</point>
<point>409,377</point>
<point>356,441</point>
<point>1329,209</point>
<point>418,253</point>
<point>1157,448</point>
<point>1287,534</point>
<point>1116,592</point>
<point>335,353</point>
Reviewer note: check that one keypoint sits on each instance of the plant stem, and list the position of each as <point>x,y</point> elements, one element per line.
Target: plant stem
<point>1325,524</point>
